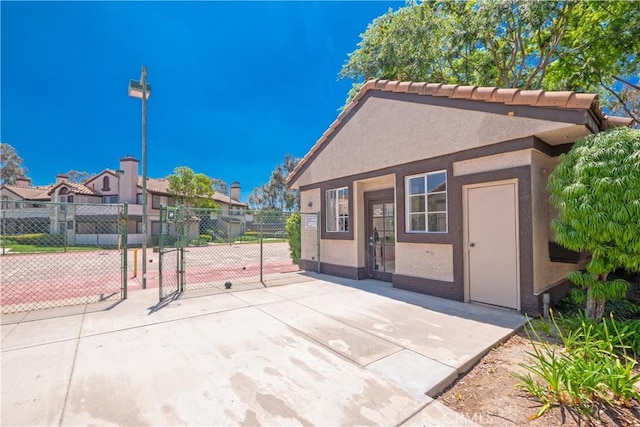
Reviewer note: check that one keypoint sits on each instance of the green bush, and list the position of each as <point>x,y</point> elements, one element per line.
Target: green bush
<point>206,238</point>
<point>37,239</point>
<point>292,228</point>
<point>198,242</point>
<point>246,237</point>
<point>595,367</point>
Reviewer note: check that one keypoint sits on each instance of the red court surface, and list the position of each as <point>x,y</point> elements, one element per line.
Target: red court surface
<point>35,281</point>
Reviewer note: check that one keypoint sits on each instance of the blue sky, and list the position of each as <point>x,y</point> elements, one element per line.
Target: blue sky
<point>236,85</point>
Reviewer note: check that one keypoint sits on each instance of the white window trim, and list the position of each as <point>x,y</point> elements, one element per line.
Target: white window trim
<point>337,216</point>
<point>407,200</point>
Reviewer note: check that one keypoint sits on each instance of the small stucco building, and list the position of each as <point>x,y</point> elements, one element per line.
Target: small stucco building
<point>441,189</point>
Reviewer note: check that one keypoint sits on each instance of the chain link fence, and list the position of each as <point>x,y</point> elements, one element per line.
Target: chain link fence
<point>218,249</point>
<point>59,254</point>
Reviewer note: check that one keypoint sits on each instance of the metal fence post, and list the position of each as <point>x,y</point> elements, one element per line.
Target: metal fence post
<point>261,243</point>
<point>124,247</point>
<point>160,241</point>
<point>181,244</point>
<point>4,231</point>
<point>319,235</point>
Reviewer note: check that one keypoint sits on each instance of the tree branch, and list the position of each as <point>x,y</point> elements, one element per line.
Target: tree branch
<point>621,80</point>
<point>623,104</point>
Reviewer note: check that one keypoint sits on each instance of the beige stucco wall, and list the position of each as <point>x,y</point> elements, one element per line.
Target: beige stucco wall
<point>431,261</point>
<point>338,252</point>
<point>545,272</point>
<point>511,159</point>
<point>10,197</point>
<point>401,132</point>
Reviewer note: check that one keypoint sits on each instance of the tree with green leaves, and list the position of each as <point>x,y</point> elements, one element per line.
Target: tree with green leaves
<point>596,189</point>
<point>191,189</point>
<point>77,176</point>
<point>220,186</point>
<point>275,194</point>
<point>587,46</point>
<point>10,165</point>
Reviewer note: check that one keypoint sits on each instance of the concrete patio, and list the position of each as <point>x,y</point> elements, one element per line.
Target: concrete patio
<point>320,351</point>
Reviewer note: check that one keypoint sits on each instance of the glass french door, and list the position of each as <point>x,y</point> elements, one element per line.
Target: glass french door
<point>381,239</point>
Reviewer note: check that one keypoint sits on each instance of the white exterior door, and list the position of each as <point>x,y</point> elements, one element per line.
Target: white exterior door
<point>492,244</point>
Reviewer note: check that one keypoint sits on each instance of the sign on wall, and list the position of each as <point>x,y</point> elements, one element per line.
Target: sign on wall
<point>310,222</point>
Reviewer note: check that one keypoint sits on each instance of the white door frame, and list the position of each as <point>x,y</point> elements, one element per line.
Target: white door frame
<point>465,233</point>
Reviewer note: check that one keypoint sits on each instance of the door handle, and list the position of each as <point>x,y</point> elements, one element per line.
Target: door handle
<point>471,245</point>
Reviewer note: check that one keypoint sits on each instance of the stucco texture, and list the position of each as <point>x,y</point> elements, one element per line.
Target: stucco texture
<point>430,261</point>
<point>403,132</point>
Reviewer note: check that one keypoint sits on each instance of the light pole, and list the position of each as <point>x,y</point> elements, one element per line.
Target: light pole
<point>141,89</point>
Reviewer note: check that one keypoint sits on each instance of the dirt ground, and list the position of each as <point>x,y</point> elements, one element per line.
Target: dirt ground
<point>486,394</point>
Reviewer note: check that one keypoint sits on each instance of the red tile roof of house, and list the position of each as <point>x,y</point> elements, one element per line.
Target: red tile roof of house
<point>74,188</point>
<point>161,186</point>
<point>30,193</point>
<point>534,98</point>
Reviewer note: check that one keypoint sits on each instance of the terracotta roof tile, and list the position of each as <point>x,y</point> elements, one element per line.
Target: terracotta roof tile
<point>380,84</point>
<point>512,96</point>
<point>581,100</point>
<point>525,97</point>
<point>431,88</point>
<point>554,99</point>
<point>483,93</point>
<point>403,87</point>
<point>161,186</point>
<point>74,188</point>
<point>30,193</point>
<point>390,86</point>
<point>445,90</point>
<point>416,87</point>
<point>503,95</point>
<point>464,92</point>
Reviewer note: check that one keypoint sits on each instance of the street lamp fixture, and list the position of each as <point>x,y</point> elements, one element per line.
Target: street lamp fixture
<point>141,89</point>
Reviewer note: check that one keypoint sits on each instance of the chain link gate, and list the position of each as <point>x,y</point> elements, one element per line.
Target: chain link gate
<point>213,250</point>
<point>171,252</point>
<point>61,254</point>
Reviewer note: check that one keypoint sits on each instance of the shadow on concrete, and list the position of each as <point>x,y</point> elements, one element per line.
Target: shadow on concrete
<point>165,302</point>
<point>493,315</point>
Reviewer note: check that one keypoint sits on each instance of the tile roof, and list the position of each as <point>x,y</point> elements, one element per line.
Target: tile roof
<point>534,98</point>
<point>161,186</point>
<point>74,188</point>
<point>31,193</point>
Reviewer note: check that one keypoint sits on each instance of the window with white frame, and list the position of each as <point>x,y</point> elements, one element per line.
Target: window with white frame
<point>426,202</point>
<point>109,199</point>
<point>337,207</point>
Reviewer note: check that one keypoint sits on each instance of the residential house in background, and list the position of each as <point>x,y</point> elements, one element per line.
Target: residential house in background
<point>76,214</point>
<point>441,189</point>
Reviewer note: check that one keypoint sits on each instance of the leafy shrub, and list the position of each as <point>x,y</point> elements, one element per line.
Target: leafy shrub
<point>292,228</point>
<point>199,242</point>
<point>37,239</point>
<point>246,237</point>
<point>206,238</point>
<point>592,370</point>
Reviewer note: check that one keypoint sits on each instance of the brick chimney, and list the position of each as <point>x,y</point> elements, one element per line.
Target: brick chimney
<point>23,182</point>
<point>234,192</point>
